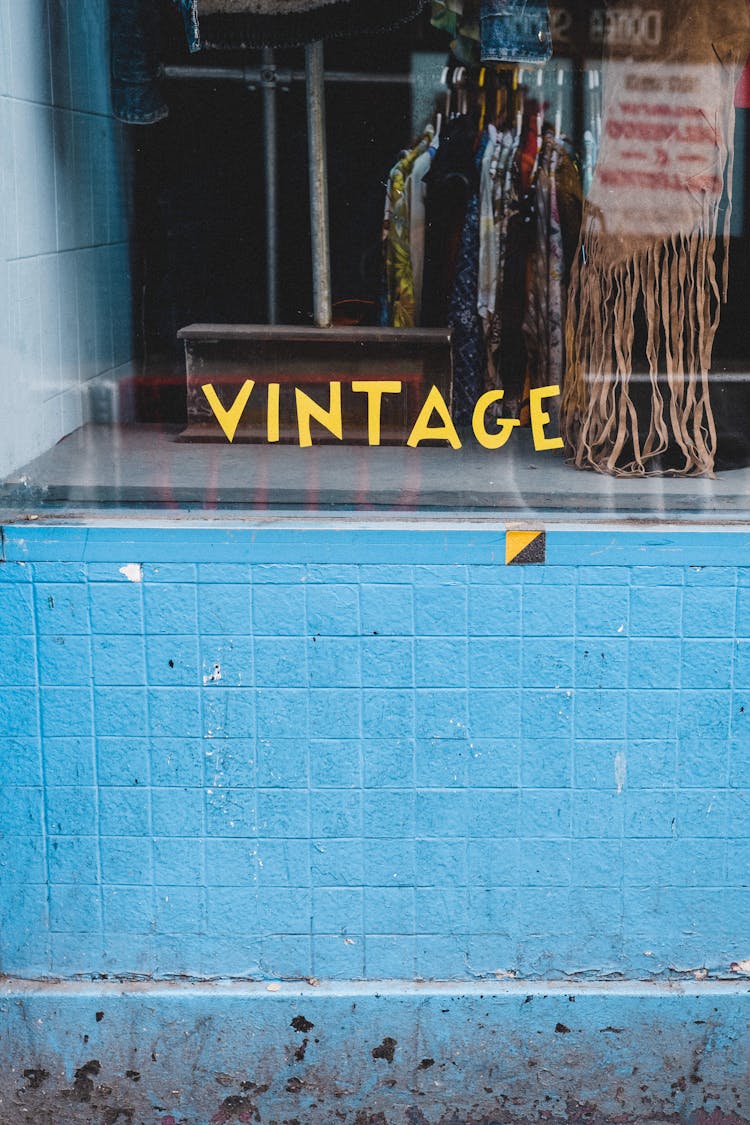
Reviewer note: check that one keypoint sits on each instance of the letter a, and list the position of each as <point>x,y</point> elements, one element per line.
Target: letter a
<point>229,420</point>
<point>422,431</point>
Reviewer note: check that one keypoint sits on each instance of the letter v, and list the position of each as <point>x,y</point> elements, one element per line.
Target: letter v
<point>229,420</point>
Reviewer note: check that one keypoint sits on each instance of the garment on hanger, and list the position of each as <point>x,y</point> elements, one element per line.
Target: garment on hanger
<point>649,248</point>
<point>558,220</point>
<point>467,342</point>
<point>396,234</point>
<point>450,182</point>
<point>515,31</point>
<point>135,58</point>
<point>415,192</point>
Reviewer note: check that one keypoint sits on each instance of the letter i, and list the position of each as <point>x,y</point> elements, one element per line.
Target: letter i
<point>273,412</point>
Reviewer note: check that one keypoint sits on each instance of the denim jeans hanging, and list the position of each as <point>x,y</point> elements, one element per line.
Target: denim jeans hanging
<point>136,49</point>
<point>515,31</point>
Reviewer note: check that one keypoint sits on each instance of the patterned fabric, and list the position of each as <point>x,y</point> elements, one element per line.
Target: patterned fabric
<point>396,234</point>
<point>505,206</point>
<point>463,316</point>
<point>543,323</point>
<point>416,202</point>
<point>488,243</point>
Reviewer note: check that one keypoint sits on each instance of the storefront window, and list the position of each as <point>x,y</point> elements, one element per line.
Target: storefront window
<point>483,256</point>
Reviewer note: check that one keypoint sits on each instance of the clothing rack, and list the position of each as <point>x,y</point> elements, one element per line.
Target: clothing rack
<point>270,79</point>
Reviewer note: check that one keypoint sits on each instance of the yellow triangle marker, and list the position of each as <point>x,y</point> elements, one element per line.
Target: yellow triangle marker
<point>516,542</point>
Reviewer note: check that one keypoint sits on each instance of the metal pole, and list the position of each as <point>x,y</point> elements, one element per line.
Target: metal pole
<point>252,75</point>
<point>316,140</point>
<point>270,140</point>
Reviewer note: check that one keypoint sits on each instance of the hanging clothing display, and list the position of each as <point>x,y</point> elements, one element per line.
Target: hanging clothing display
<point>400,286</point>
<point>503,217</point>
<point>463,311</point>
<point>450,183</point>
<point>646,288</point>
<point>558,206</point>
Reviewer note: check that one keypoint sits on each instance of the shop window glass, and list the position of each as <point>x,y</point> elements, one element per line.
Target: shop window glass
<point>529,300</point>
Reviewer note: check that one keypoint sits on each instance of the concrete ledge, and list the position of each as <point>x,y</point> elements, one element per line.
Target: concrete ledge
<point>373,1054</point>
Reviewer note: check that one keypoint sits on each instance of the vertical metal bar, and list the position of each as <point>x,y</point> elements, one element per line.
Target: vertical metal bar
<point>319,222</point>
<point>270,140</point>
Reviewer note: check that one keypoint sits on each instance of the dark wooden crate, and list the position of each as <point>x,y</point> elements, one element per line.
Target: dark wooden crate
<point>310,359</point>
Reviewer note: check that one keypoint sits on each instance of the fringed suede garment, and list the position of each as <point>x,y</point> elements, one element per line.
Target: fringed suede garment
<point>241,24</point>
<point>646,277</point>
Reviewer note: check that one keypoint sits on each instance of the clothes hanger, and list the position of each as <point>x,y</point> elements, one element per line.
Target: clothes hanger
<point>560,99</point>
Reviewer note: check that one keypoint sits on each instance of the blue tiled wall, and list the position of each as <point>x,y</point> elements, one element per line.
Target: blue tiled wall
<point>65,301</point>
<point>383,754</point>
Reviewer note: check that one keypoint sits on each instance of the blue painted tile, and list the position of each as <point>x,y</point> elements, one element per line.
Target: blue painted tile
<point>122,761</point>
<point>22,763</point>
<point>333,763</point>
<point>337,863</point>
<point>280,662</point>
<point>547,663</point>
<point>390,957</point>
<point>172,661</point>
<point>177,812</point>
<point>494,813</point>
<point>545,813</point>
<point>333,662</point>
<point>230,863</point>
<point>602,611</point>
<point>656,612</point>
<point>709,612</point>
<point>390,910</point>
<point>172,608</point>
<point>177,862</point>
<point>494,611</point>
<point>229,812</point>
<point>71,811</point>
<point>119,711</point>
<point>230,713</point>
<point>123,811</point>
<point>387,662</point>
<point>495,663</point>
<point>440,611</point>
<point>177,761</point>
<point>64,712</point>
<point>388,814</point>
<point>333,611</point>
<point>115,608</point>
<point>224,609</point>
<point>282,863</point>
<point>440,662</point>
<point>334,713</point>
<point>386,610</point>
<point>128,910</point>
<point>18,661</point>
<point>118,660</point>
<point>440,714</point>
<point>549,611</point>
<point>279,610</point>
<point>336,813</point>
<point>442,763</point>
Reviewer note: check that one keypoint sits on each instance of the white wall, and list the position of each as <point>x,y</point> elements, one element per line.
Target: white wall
<point>65,302</point>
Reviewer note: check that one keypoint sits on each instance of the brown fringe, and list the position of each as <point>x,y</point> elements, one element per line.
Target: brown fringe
<point>674,283</point>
